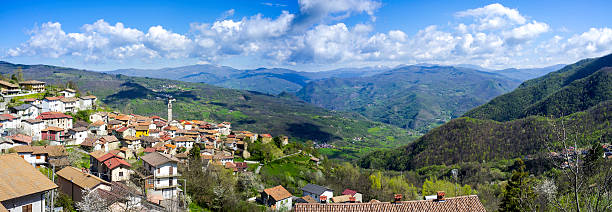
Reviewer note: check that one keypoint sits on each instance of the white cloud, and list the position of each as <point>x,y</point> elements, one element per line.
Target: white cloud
<point>492,36</point>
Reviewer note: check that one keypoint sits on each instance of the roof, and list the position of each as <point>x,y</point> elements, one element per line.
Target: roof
<point>31,82</point>
<point>55,150</point>
<point>341,198</point>
<point>266,135</point>
<point>142,127</point>
<point>156,158</point>
<point>115,162</point>
<point>69,99</point>
<point>460,204</point>
<point>23,107</point>
<point>8,84</point>
<point>97,123</point>
<point>183,139</point>
<point>53,115</point>
<point>278,193</point>
<point>309,199</point>
<point>23,148</point>
<point>109,138</point>
<point>19,178</point>
<point>89,141</point>
<point>53,98</point>
<point>88,97</point>
<point>79,178</point>
<point>149,139</point>
<point>33,121</point>
<point>21,138</point>
<point>52,128</point>
<point>98,153</point>
<point>79,129</point>
<point>315,189</point>
<point>52,151</point>
<point>349,192</point>
<point>6,116</point>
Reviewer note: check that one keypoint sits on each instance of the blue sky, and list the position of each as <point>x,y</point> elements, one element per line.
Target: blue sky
<point>308,35</point>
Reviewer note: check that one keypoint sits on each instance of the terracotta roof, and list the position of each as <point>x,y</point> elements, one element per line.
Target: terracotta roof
<point>157,158</point>
<point>52,128</point>
<point>53,98</point>
<point>6,116</point>
<point>142,127</point>
<point>341,198</point>
<point>183,139</point>
<point>19,178</point>
<point>107,156</point>
<point>79,129</point>
<point>115,162</point>
<point>53,115</point>
<point>98,153</point>
<point>123,129</point>
<point>97,123</point>
<point>309,199</point>
<point>55,150</point>
<point>453,204</point>
<point>123,117</point>
<point>278,193</point>
<point>70,90</point>
<point>21,138</point>
<point>23,148</point>
<point>349,192</point>
<point>266,135</point>
<point>88,97</point>
<point>109,138</point>
<point>155,117</point>
<point>29,100</point>
<point>81,179</point>
<point>149,149</point>
<point>89,141</point>
<point>131,138</point>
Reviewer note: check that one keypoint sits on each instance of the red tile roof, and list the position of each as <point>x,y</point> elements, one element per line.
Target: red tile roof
<point>53,115</point>
<point>115,162</point>
<point>453,204</point>
<point>278,193</point>
<point>349,192</point>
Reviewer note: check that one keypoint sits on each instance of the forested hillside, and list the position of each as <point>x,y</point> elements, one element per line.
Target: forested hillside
<point>246,110</point>
<point>531,96</point>
<point>412,97</point>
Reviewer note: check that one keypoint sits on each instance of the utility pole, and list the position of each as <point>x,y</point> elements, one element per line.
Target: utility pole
<point>53,191</point>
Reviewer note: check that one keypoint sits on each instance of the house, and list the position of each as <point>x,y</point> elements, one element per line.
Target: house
<point>278,198</point>
<point>7,88</point>
<point>99,116</point>
<point>39,156</point>
<point>317,192</point>
<point>53,134</point>
<point>122,197</point>
<point>108,143</point>
<point>456,204</point>
<point>22,188</point>
<point>33,101</point>
<point>33,127</point>
<point>68,92</point>
<point>73,182</point>
<point>87,102</point>
<point>26,111</point>
<point>6,144</point>
<point>358,196</point>
<point>9,121</point>
<point>122,132</point>
<point>15,140</point>
<point>162,175</point>
<point>141,130</point>
<point>149,141</point>
<point>305,199</point>
<point>131,142</point>
<point>33,85</point>
<point>78,135</point>
<point>265,138</point>
<point>98,128</point>
<point>109,166</point>
<point>56,119</point>
<point>70,104</point>
<point>183,141</point>
<point>52,104</point>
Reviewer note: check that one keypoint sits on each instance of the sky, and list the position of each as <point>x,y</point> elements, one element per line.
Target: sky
<point>305,35</point>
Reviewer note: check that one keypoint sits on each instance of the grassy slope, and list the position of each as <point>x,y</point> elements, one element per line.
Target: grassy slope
<point>246,110</point>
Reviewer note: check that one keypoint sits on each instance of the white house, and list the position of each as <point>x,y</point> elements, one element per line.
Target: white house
<point>98,116</point>
<point>277,197</point>
<point>98,128</point>
<point>26,111</point>
<point>78,134</point>
<point>71,104</point>
<point>24,188</point>
<point>32,127</point>
<point>87,102</point>
<point>162,175</point>
<point>68,92</point>
<point>52,104</point>
<point>317,191</point>
<point>8,121</point>
<point>183,141</point>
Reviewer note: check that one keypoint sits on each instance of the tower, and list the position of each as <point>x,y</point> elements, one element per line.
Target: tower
<point>170,100</point>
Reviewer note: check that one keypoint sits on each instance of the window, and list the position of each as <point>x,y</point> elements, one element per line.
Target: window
<point>37,156</point>
<point>26,208</point>
<point>158,181</point>
<point>171,181</point>
<point>120,174</point>
<point>159,170</point>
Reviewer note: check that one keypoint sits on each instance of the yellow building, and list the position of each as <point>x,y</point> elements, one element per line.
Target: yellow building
<point>142,131</point>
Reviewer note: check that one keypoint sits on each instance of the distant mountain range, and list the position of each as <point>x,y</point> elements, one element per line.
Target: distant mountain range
<point>412,97</point>
<point>519,123</point>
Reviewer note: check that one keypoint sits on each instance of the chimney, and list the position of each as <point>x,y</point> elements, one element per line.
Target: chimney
<point>323,199</point>
<point>440,196</point>
<point>352,199</point>
<point>397,198</point>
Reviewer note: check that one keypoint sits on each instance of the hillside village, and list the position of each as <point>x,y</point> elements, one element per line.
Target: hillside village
<point>133,162</point>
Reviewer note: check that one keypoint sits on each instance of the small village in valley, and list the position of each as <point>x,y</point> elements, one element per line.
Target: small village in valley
<point>60,145</point>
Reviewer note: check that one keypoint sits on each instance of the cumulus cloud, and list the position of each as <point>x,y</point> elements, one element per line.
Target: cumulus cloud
<point>491,36</point>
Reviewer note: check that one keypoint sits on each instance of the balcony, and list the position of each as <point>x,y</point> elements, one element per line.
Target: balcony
<point>167,175</point>
<point>166,186</point>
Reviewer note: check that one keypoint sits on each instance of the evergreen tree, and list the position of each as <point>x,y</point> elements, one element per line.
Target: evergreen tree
<point>519,193</point>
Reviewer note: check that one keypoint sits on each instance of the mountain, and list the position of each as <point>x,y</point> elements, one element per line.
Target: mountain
<point>264,80</point>
<point>553,94</point>
<point>527,73</point>
<point>412,97</point>
<point>576,100</point>
<point>351,133</point>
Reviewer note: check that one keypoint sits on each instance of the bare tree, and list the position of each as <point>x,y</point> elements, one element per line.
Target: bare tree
<point>92,202</point>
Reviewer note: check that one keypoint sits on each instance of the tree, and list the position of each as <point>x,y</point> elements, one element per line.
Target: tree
<point>19,74</point>
<point>92,201</point>
<point>519,193</point>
